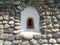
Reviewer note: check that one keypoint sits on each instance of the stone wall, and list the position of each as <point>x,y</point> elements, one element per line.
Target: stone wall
<point>10,23</point>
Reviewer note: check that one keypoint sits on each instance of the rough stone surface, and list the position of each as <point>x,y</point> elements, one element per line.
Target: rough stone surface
<point>25,43</point>
<point>37,36</point>
<point>33,41</point>
<point>52,40</point>
<point>10,22</point>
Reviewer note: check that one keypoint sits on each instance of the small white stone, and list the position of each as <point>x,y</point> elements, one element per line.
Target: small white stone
<point>17,31</point>
<point>1,26</point>
<point>18,27</point>
<point>56,44</point>
<point>58,40</point>
<point>5,22</point>
<point>55,30</point>
<point>33,41</point>
<point>51,40</point>
<point>0,22</point>
<point>49,35</point>
<point>1,18</point>
<point>11,22</point>
<point>8,43</point>
<point>1,42</point>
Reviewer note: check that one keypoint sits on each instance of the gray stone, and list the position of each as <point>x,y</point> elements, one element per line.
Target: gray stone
<point>11,18</point>
<point>19,7</point>
<point>17,41</point>
<point>1,26</point>
<point>17,24</point>
<point>56,35</point>
<point>49,35</point>
<point>42,41</point>
<point>1,42</point>
<point>56,26</point>
<point>43,36</point>
<point>25,43</point>
<point>7,36</point>
<point>16,2</point>
<point>1,31</point>
<point>51,40</point>
<point>56,44</point>
<point>17,31</point>
<point>7,43</point>
<point>1,2</point>
<point>59,16</point>
<point>33,41</point>
<point>17,27</point>
<point>6,26</point>
<point>37,36</point>
<point>1,18</point>
<point>17,20</point>
<point>58,40</point>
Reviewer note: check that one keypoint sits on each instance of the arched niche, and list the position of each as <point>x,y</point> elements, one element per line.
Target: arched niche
<point>30,21</point>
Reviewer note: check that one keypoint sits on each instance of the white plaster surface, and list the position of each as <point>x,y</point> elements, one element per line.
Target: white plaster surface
<point>27,13</point>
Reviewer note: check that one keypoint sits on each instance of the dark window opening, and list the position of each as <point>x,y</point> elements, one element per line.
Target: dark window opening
<point>30,23</point>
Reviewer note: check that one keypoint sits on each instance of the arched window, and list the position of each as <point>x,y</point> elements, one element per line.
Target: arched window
<point>30,23</point>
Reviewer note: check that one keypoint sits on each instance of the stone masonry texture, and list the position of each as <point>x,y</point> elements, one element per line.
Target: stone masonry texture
<point>10,25</point>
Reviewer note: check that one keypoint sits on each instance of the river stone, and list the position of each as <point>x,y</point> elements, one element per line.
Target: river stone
<point>1,42</point>
<point>56,26</point>
<point>19,7</point>
<point>17,24</point>
<point>55,30</point>
<point>58,40</point>
<point>1,26</point>
<point>28,36</point>
<point>1,2</point>
<point>25,42</point>
<point>56,44</point>
<point>7,43</point>
<point>7,36</point>
<point>11,18</point>
<point>6,17</point>
<point>5,22</point>
<point>11,22</point>
<point>17,27</point>
<point>17,20</point>
<point>33,41</point>
<point>17,41</point>
<point>0,22</point>
<point>56,35</point>
<point>1,18</point>
<point>43,36</point>
<point>37,36</point>
<point>49,35</point>
<point>1,31</point>
<point>18,37</point>
<point>6,26</point>
<point>16,2</point>
<point>17,31</point>
<point>42,41</point>
<point>51,40</point>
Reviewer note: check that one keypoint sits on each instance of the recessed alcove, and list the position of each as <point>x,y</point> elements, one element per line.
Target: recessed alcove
<point>30,21</point>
